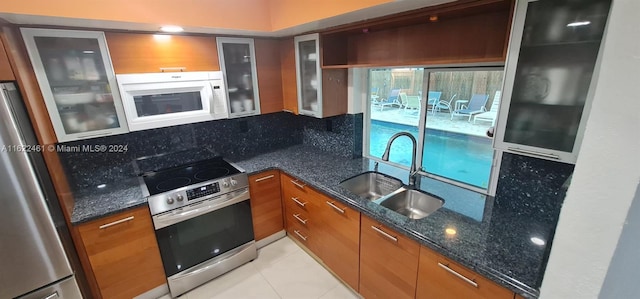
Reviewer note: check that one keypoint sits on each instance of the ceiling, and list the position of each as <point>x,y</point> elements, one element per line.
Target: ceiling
<point>372,12</point>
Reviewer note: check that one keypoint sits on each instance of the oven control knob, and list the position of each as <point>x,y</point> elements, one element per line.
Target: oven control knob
<point>234,182</point>
<point>179,197</point>
<point>170,200</point>
<point>225,184</point>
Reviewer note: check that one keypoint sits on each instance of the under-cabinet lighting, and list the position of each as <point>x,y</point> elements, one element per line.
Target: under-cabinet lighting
<point>580,23</point>
<point>171,28</point>
<point>538,241</point>
<point>88,52</point>
<point>101,186</point>
<point>450,231</point>
<point>162,37</point>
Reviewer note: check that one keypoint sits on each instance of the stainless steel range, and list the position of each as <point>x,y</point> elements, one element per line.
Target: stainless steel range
<point>202,218</point>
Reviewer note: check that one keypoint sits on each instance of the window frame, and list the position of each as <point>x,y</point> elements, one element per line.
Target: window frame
<point>422,121</point>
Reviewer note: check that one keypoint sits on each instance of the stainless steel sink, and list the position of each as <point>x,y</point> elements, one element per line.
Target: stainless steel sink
<point>414,204</point>
<point>371,185</point>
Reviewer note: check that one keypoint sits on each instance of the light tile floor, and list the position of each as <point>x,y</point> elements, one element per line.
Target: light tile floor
<point>282,270</point>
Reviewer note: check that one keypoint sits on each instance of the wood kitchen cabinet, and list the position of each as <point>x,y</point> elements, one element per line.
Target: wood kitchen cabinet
<point>6,73</point>
<point>288,74</point>
<point>153,53</point>
<point>388,262</point>
<point>439,277</point>
<point>301,213</point>
<point>269,75</point>
<point>266,203</point>
<point>328,228</point>
<point>123,253</point>
<point>339,233</point>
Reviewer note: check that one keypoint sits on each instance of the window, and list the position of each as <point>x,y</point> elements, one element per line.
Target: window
<point>456,108</point>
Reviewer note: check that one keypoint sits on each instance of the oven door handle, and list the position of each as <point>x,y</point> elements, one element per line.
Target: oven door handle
<point>170,218</point>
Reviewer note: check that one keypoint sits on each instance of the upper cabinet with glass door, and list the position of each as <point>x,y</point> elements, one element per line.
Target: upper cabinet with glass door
<point>238,63</point>
<point>77,81</point>
<point>321,92</point>
<point>550,67</point>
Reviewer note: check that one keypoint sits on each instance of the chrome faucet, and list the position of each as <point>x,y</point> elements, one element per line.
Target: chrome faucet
<point>413,170</point>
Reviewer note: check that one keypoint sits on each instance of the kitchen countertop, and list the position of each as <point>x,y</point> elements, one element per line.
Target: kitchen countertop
<point>493,235</point>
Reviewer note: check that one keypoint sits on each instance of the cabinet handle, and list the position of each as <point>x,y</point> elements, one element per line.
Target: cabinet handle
<point>335,207</point>
<point>300,235</point>
<point>52,296</point>
<point>546,155</point>
<point>302,204</point>
<point>169,69</point>
<point>298,184</point>
<point>116,222</point>
<point>467,280</point>
<point>297,216</point>
<point>392,238</point>
<point>264,178</point>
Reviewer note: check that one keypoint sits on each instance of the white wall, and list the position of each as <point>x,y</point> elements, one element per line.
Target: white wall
<point>607,170</point>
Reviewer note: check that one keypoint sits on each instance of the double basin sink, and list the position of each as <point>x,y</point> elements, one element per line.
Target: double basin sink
<point>391,193</point>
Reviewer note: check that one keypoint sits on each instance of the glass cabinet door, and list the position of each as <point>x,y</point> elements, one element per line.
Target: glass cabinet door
<point>309,75</point>
<point>76,78</point>
<point>559,41</point>
<point>237,61</point>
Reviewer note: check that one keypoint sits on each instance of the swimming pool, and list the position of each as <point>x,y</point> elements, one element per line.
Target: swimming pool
<point>456,156</point>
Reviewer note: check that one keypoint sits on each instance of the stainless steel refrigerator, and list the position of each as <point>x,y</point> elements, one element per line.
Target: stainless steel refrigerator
<point>33,260</point>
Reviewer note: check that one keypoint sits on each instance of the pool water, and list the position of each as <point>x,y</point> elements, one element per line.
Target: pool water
<point>456,156</point>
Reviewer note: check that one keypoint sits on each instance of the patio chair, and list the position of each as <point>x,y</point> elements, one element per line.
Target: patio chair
<point>413,103</point>
<point>391,100</point>
<point>492,113</point>
<point>433,100</point>
<point>475,106</point>
<point>445,105</point>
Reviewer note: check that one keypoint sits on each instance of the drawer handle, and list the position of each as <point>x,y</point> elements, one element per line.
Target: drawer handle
<point>302,204</point>
<point>467,280</point>
<point>298,184</point>
<point>264,178</point>
<point>297,216</point>
<point>116,222</point>
<point>52,296</point>
<point>335,207</point>
<point>392,238</point>
<point>300,235</point>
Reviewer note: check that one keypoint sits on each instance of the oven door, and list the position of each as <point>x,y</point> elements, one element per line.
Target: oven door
<point>161,100</point>
<point>205,230</point>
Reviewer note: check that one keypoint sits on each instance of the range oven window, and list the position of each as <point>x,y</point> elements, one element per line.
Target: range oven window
<point>166,103</point>
<point>190,242</point>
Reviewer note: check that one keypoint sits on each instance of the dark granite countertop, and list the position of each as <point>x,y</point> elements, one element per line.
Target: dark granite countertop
<point>492,234</point>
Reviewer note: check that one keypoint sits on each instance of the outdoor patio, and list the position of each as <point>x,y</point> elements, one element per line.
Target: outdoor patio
<point>438,121</point>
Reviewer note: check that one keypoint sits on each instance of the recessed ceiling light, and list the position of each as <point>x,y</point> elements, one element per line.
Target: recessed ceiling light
<point>101,186</point>
<point>88,52</point>
<point>171,28</point>
<point>538,241</point>
<point>450,231</point>
<point>580,23</point>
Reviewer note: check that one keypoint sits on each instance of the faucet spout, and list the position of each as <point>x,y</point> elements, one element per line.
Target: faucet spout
<point>413,170</point>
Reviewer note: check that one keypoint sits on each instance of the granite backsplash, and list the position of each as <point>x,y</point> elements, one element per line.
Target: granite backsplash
<point>242,137</point>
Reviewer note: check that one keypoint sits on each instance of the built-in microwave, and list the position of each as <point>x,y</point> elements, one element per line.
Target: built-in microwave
<point>154,100</point>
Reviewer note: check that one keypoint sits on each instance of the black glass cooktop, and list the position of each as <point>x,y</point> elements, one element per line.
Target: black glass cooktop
<point>185,175</point>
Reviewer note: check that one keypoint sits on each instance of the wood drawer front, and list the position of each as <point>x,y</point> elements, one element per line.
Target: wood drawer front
<point>388,268</point>
<point>297,188</point>
<point>340,237</point>
<point>147,53</point>
<point>439,277</point>
<point>123,253</point>
<point>266,203</point>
